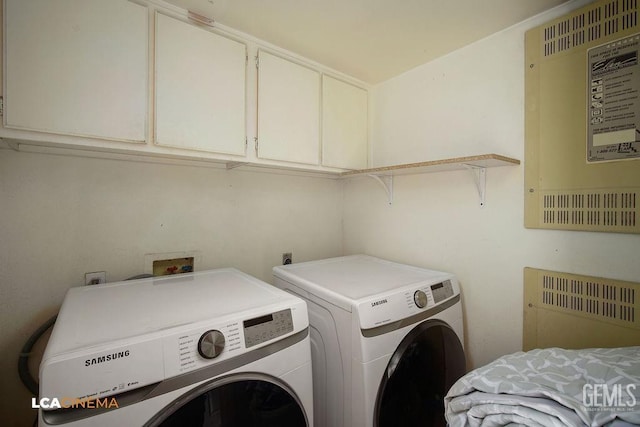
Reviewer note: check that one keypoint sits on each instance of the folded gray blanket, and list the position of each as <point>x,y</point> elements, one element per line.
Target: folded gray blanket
<point>550,387</point>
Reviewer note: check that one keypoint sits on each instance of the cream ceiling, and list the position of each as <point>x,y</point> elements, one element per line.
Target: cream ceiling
<point>372,40</point>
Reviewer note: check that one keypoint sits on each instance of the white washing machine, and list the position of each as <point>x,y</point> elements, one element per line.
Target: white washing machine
<point>386,339</point>
<point>211,348</point>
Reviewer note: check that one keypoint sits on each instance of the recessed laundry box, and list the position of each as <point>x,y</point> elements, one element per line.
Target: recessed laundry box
<point>215,347</point>
<point>386,339</point>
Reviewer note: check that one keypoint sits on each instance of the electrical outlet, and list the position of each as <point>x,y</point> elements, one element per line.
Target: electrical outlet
<point>287,258</point>
<point>95,278</point>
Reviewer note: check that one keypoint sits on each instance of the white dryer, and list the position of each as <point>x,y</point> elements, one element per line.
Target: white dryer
<point>386,339</point>
<point>214,348</point>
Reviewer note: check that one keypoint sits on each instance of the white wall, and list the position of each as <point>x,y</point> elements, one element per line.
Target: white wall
<point>63,216</point>
<point>469,102</point>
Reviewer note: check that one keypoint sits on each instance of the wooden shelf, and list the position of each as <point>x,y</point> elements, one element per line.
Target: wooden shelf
<point>475,164</point>
<point>458,163</point>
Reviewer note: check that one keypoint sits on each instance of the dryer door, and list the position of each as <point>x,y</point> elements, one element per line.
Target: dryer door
<point>423,368</point>
<point>237,400</point>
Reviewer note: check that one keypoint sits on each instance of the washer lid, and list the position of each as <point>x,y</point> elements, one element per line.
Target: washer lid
<point>347,281</point>
<point>99,314</point>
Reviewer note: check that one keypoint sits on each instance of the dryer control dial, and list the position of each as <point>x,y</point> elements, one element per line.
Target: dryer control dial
<point>420,298</point>
<point>211,344</point>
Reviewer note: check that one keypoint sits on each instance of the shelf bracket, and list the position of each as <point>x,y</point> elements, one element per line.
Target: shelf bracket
<point>387,183</point>
<point>480,177</point>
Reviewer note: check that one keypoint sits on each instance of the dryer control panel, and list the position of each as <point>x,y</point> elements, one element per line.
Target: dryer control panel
<point>404,303</point>
<point>427,296</point>
<point>441,291</point>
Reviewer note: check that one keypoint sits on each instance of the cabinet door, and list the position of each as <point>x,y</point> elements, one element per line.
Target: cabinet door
<point>288,111</point>
<point>344,124</point>
<point>77,67</point>
<point>200,88</point>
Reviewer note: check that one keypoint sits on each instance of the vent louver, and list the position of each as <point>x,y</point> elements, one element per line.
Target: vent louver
<point>604,210</point>
<point>604,299</point>
<point>600,21</point>
<point>576,311</point>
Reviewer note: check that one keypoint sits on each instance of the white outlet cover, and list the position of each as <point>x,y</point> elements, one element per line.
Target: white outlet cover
<point>95,278</point>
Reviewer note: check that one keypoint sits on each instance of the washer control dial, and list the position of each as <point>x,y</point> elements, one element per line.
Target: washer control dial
<point>420,298</point>
<point>211,344</point>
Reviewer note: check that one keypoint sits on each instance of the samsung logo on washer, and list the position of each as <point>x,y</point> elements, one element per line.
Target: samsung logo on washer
<point>379,302</point>
<point>106,358</point>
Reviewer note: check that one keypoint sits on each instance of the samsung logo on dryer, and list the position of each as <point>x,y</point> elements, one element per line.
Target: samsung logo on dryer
<point>379,302</point>
<point>106,358</point>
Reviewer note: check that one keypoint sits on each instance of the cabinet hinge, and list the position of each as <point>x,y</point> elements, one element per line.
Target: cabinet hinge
<point>257,62</point>
<point>256,144</point>
<point>1,105</point>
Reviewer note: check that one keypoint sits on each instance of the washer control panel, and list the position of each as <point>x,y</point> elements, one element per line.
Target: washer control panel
<point>265,328</point>
<point>198,347</point>
<point>211,344</point>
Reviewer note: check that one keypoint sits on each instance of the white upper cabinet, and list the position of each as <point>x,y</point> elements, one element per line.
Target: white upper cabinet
<point>344,124</point>
<point>200,88</point>
<point>288,111</point>
<point>138,78</point>
<point>77,67</point>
